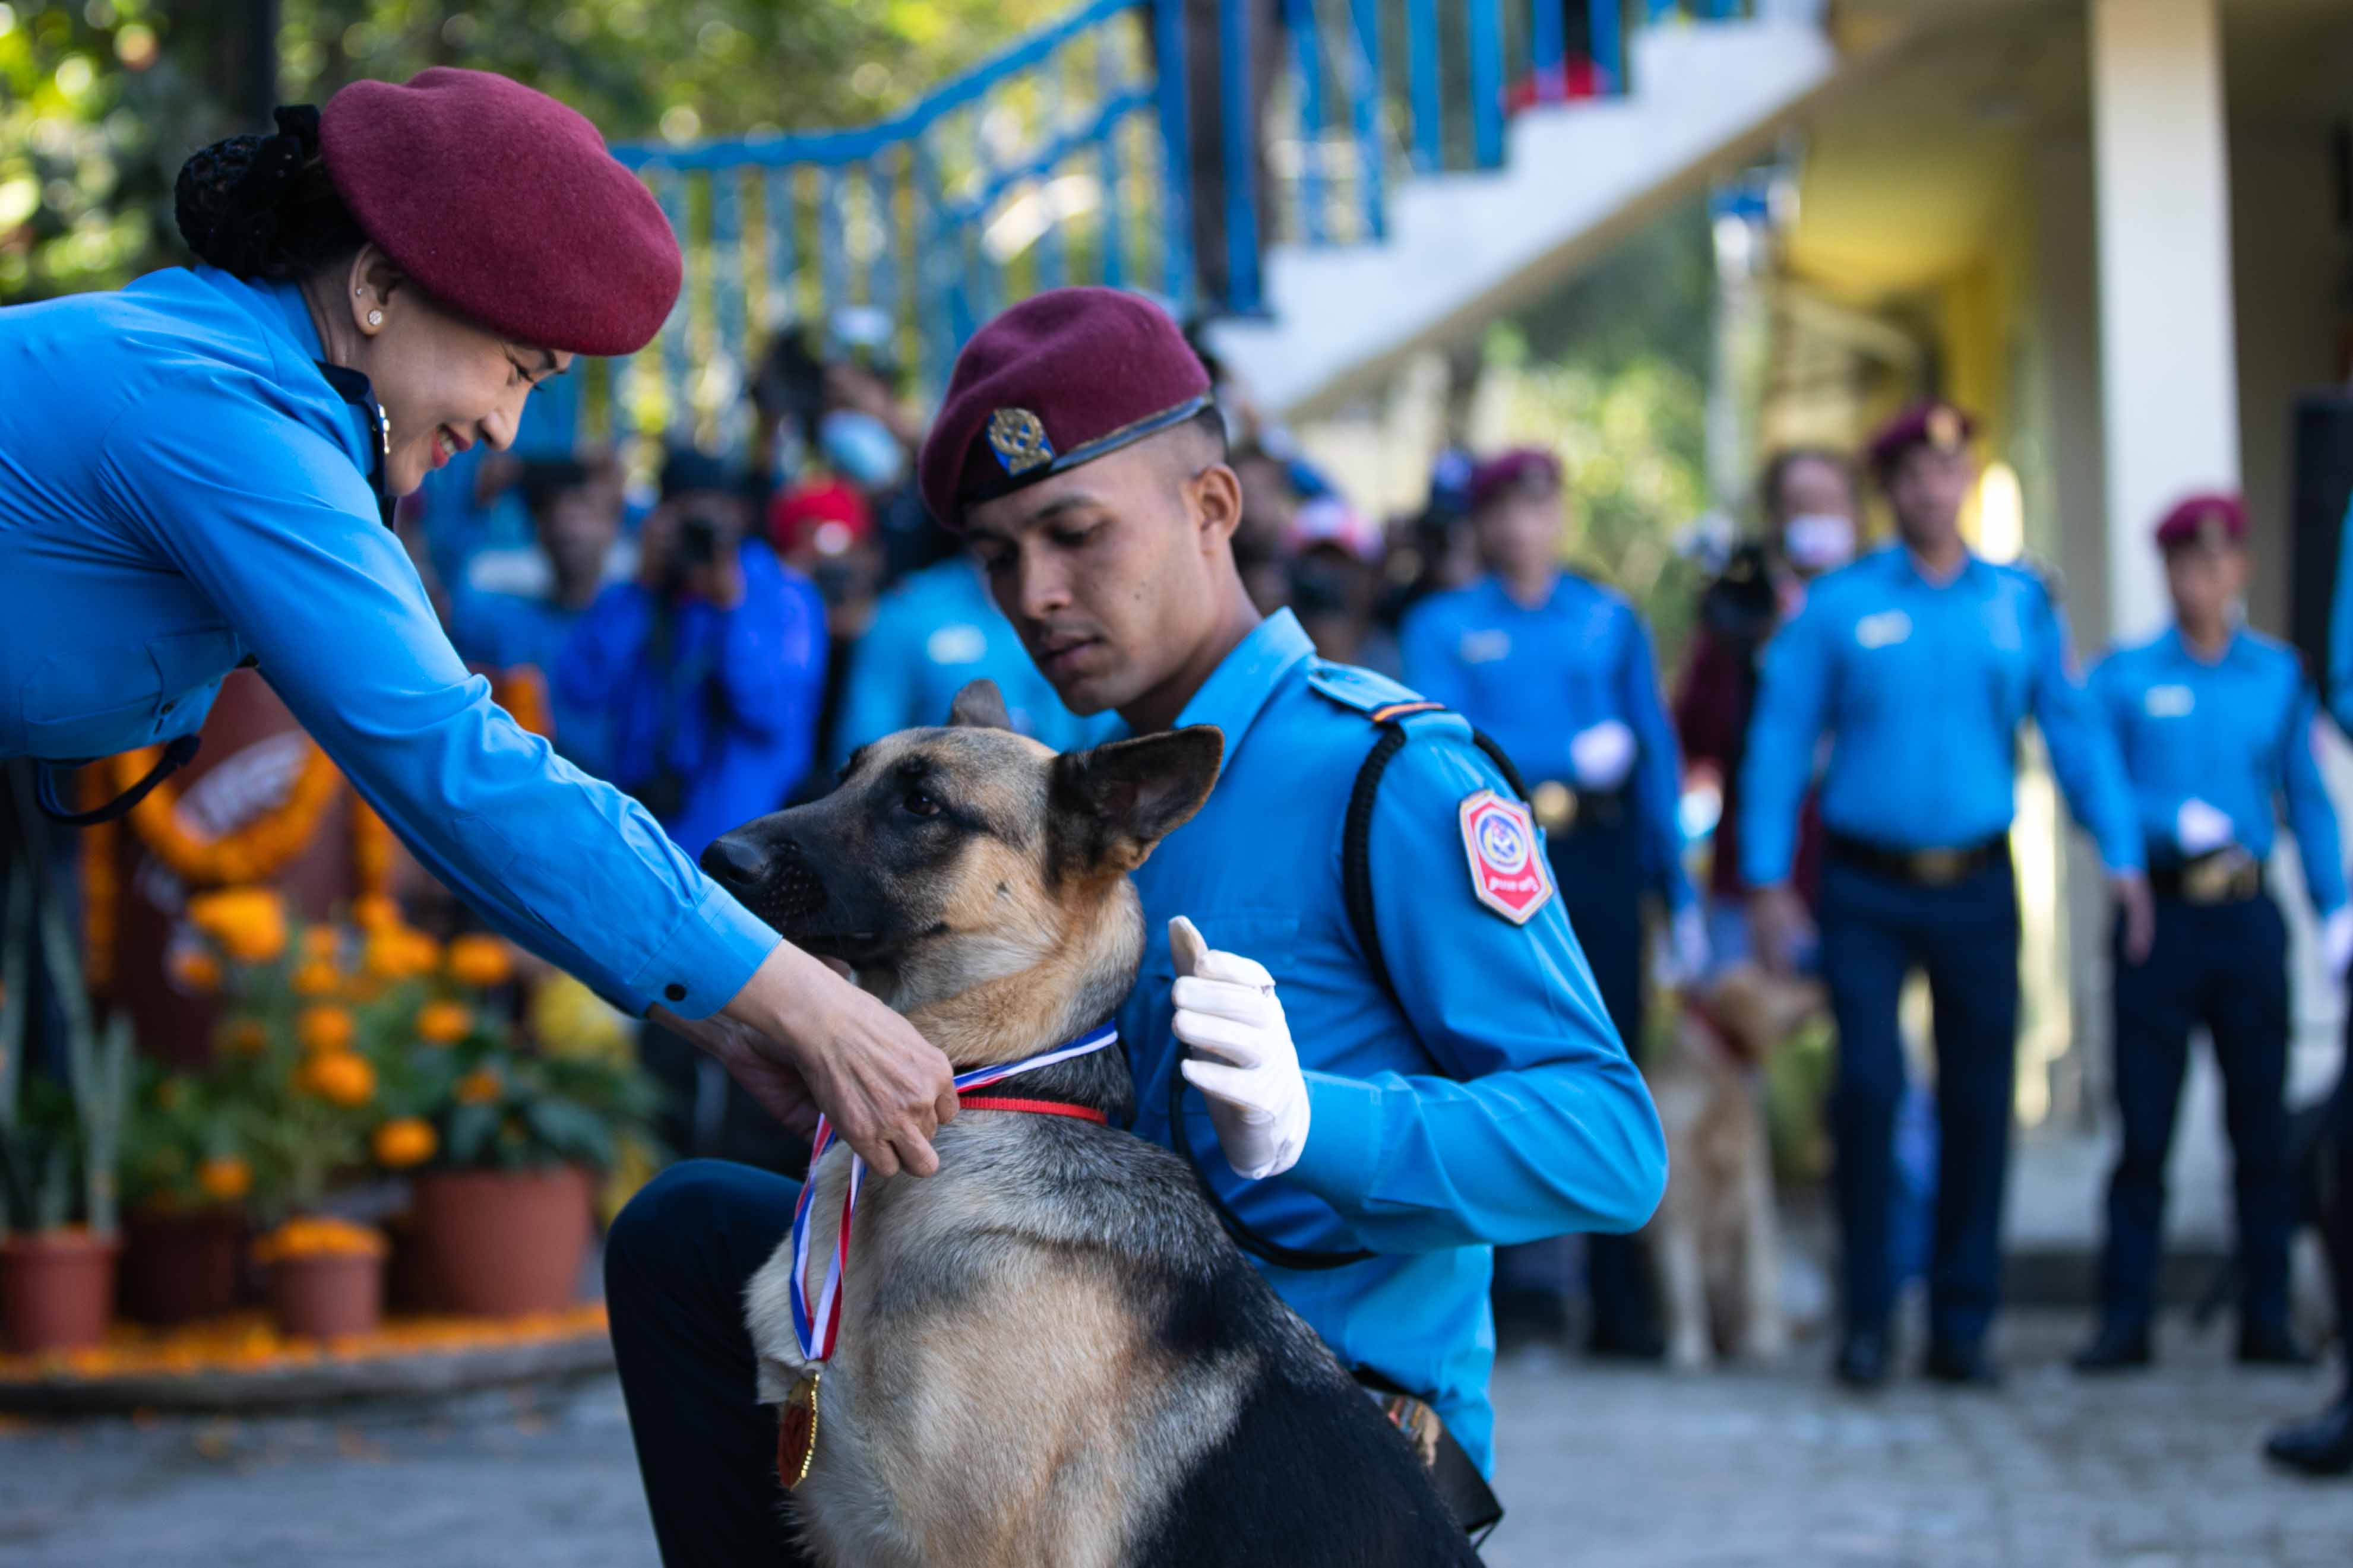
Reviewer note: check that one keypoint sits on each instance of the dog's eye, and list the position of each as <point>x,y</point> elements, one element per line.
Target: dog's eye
<point>918,803</point>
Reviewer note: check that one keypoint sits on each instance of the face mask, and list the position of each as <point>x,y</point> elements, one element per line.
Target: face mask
<point>1816,541</point>
<point>862,448</point>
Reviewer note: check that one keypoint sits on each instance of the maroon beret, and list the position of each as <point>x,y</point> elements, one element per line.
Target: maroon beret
<point>1522,467</point>
<point>1062,379</point>
<point>505,207</point>
<point>2203,519</point>
<point>1933,424</point>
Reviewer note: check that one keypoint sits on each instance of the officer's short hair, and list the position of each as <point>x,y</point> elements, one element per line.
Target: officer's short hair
<point>1776,470</point>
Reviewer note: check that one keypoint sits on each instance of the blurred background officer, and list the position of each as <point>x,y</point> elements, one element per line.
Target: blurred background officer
<point>931,635</point>
<point>575,512</point>
<point>1919,661</point>
<point>1558,670</point>
<point>2213,725</point>
<point>709,668</point>
<point>1808,502</point>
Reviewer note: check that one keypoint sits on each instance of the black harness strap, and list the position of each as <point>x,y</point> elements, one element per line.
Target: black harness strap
<point>176,755</point>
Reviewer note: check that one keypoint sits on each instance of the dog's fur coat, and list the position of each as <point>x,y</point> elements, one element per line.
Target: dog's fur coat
<point>1716,1236</point>
<point>1051,1355</point>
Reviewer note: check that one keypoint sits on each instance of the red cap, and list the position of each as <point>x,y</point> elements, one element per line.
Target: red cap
<point>1523,468</point>
<point>831,517</point>
<point>1328,519</point>
<point>1933,424</point>
<point>505,207</point>
<point>2207,518</point>
<point>1062,379</point>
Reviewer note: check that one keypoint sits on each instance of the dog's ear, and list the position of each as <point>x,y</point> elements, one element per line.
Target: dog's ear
<point>979,706</point>
<point>1112,804</point>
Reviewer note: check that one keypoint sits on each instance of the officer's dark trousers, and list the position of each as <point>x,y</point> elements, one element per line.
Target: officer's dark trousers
<point>675,1267</point>
<point>1596,864</point>
<point>2225,966</point>
<point>1874,929</point>
<point>2339,1231</point>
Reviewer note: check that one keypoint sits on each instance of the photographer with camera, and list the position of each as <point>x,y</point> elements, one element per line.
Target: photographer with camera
<point>708,670</point>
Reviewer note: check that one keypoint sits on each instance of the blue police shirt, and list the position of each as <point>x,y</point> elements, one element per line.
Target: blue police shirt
<point>1488,1100</point>
<point>730,707</point>
<point>1533,678</point>
<point>933,633</point>
<point>508,631</point>
<point>2235,733</point>
<point>180,487</point>
<point>1921,687</point>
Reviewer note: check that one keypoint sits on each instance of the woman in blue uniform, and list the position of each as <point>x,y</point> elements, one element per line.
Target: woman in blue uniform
<point>195,476</point>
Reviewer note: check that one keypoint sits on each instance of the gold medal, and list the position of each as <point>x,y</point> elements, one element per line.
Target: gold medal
<point>797,1433</point>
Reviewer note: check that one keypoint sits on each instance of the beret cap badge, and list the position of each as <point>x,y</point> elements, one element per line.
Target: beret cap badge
<point>1019,438</point>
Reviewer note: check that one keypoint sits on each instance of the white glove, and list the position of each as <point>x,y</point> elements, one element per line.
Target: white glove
<point>1601,756</point>
<point>2199,828</point>
<point>2336,943</point>
<point>1246,1066</point>
<point>1686,956</point>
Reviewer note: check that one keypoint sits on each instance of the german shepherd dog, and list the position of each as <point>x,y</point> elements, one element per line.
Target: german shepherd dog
<point>1050,1353</point>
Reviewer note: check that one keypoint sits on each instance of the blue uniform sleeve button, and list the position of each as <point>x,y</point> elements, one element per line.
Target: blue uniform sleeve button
<point>674,991</point>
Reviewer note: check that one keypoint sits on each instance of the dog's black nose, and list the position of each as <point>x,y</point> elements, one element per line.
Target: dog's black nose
<point>735,861</point>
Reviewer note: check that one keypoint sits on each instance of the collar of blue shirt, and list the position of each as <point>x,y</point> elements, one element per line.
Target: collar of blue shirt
<point>1233,697</point>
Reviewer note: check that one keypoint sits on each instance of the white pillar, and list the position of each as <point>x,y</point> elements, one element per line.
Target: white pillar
<point>2168,360</point>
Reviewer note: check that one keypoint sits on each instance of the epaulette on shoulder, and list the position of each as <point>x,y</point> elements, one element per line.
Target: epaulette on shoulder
<point>1377,697</point>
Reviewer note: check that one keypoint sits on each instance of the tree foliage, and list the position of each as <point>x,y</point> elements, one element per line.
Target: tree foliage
<point>100,100</point>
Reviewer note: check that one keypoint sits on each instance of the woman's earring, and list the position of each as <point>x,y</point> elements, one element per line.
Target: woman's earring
<point>376,319</point>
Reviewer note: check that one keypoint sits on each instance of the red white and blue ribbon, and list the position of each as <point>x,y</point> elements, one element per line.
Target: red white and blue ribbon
<point>817,1330</point>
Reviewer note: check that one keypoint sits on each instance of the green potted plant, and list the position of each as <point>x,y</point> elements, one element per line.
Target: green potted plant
<point>186,1181</point>
<point>504,1140</point>
<point>58,1145</point>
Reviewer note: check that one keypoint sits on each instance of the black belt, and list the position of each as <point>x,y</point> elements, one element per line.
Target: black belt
<point>1920,868</point>
<point>1469,1500</point>
<point>2225,875</point>
<point>1561,807</point>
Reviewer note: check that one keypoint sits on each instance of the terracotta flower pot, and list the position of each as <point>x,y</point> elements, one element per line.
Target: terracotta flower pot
<point>57,1290</point>
<point>502,1243</point>
<point>177,1268</point>
<point>322,1295</point>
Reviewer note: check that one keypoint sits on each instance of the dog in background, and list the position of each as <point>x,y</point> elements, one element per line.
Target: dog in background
<point>1716,1236</point>
<point>1050,1354</point>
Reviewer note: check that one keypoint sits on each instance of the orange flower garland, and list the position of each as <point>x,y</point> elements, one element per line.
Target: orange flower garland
<point>247,854</point>
<point>443,1023</point>
<point>410,1141</point>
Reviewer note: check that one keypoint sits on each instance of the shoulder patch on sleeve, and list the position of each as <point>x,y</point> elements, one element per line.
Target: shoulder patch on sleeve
<point>1508,873</point>
<point>1361,691</point>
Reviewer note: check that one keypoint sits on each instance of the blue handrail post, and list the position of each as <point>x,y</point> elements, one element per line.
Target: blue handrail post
<point>1113,242</point>
<point>1176,152</point>
<point>1365,92</point>
<point>1487,83</point>
<point>727,310</point>
<point>1300,17</point>
<point>1238,145</point>
<point>677,412</point>
<point>778,217</point>
<point>1608,28</point>
<point>1421,73</point>
<point>833,263</point>
<point>1546,46</point>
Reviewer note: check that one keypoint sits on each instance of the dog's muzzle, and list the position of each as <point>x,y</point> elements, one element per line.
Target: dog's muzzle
<point>774,880</point>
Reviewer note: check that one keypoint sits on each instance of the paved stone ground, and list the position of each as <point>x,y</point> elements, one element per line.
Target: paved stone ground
<point>1630,1468</point>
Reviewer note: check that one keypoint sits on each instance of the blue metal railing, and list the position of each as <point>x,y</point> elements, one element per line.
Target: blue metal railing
<point>1071,156</point>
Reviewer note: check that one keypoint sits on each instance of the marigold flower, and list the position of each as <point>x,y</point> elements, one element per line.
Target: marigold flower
<point>375,912</point>
<point>480,961</point>
<point>197,970</point>
<point>324,1028</point>
<point>315,977</point>
<point>321,941</point>
<point>244,1037</point>
<point>481,1086</point>
<point>314,1237</point>
<point>250,923</point>
<point>339,1078</point>
<point>400,953</point>
<point>405,1141</point>
<point>225,1178</point>
<point>443,1023</point>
